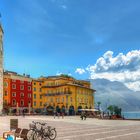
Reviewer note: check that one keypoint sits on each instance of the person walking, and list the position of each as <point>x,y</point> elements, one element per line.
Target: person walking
<point>23,113</point>
<point>85,116</point>
<point>82,115</point>
<point>54,113</point>
<point>63,113</point>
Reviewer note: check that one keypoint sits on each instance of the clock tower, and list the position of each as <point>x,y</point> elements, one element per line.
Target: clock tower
<point>1,69</point>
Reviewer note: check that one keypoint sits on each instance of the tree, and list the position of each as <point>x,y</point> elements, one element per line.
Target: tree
<point>99,105</point>
<point>111,109</point>
<point>114,110</point>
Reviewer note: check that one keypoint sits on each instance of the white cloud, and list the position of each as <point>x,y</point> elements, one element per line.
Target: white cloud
<point>80,71</point>
<point>58,73</point>
<point>123,68</point>
<point>121,62</point>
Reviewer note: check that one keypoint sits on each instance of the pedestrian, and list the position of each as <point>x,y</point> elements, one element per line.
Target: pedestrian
<point>82,115</point>
<point>54,113</point>
<point>85,116</point>
<point>63,113</point>
<point>58,115</point>
<point>23,113</point>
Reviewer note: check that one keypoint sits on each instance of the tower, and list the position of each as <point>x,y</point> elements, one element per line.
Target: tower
<point>1,69</point>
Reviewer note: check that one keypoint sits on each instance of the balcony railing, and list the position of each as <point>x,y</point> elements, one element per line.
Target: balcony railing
<point>58,93</point>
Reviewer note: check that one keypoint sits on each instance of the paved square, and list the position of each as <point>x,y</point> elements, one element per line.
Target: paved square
<point>72,128</point>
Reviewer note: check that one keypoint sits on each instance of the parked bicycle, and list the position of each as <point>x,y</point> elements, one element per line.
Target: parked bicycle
<point>40,131</point>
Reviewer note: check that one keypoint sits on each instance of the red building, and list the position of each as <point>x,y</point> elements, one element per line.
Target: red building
<point>20,92</point>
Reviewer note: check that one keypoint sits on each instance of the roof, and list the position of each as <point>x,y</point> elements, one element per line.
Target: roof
<point>70,84</point>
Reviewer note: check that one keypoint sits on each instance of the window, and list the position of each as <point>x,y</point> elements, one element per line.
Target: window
<point>13,80</point>
<point>51,99</point>
<point>5,101</point>
<point>14,102</point>
<point>5,93</point>
<point>34,83</point>
<point>34,89</point>
<point>21,87</point>
<point>85,100</point>
<point>29,95</point>
<point>29,88</point>
<point>71,99</point>
<point>57,100</point>
<point>29,103</point>
<point>40,96</point>
<point>34,96</point>
<point>22,103</point>
<point>5,84</point>
<point>40,90</point>
<point>40,84</point>
<point>13,94</point>
<point>21,94</point>
<point>63,99</point>
<point>77,99</point>
<point>13,86</point>
<point>40,103</point>
<point>34,103</point>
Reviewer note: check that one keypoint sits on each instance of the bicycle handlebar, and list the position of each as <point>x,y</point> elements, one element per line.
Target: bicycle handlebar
<point>39,123</point>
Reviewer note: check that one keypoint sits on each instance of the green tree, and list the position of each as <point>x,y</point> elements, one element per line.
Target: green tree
<point>114,110</point>
<point>99,105</point>
<point>111,109</point>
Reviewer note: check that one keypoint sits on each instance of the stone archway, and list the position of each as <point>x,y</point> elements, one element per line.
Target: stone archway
<point>79,109</point>
<point>71,110</point>
<point>50,110</point>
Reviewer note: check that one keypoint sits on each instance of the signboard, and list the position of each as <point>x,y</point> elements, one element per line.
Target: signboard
<point>13,124</point>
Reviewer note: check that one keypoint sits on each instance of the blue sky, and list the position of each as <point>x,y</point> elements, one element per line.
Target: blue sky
<point>45,37</point>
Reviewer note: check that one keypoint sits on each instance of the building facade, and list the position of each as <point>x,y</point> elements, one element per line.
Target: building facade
<point>18,92</point>
<point>6,90</point>
<point>46,94</point>
<point>64,93</point>
<point>37,94</point>
<point>1,69</point>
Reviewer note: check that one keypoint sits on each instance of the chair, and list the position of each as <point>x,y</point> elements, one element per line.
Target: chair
<point>24,133</point>
<point>15,133</point>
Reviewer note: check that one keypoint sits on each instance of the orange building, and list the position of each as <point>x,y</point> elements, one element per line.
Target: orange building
<point>6,90</point>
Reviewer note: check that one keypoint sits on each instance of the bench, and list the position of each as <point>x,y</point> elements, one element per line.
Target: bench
<point>19,134</point>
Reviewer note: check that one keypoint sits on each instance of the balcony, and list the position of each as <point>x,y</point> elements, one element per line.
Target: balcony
<point>58,94</point>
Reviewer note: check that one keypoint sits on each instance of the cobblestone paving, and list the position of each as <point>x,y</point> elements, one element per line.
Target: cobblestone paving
<point>72,128</point>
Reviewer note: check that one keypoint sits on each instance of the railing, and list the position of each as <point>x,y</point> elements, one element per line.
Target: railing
<point>58,93</point>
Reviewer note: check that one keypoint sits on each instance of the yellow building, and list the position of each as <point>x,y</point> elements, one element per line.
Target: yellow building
<point>66,93</point>
<point>37,94</point>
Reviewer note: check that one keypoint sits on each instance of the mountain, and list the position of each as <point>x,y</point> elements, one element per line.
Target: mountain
<point>115,93</point>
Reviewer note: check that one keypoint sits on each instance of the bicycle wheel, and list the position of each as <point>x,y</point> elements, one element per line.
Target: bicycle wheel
<point>30,135</point>
<point>52,134</point>
<point>37,136</point>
